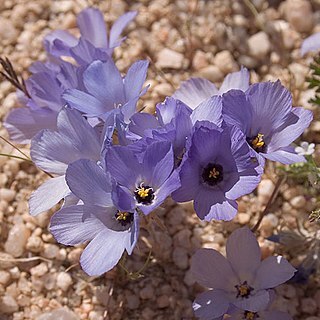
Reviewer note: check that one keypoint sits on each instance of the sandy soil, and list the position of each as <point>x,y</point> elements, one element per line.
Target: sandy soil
<point>40,279</point>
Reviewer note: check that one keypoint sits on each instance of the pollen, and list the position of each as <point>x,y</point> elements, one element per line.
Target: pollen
<point>214,173</point>
<point>144,194</point>
<point>122,215</point>
<point>124,218</point>
<point>243,290</point>
<point>249,315</point>
<point>258,141</point>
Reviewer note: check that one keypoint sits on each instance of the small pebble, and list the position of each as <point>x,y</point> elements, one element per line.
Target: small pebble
<point>308,306</point>
<point>39,270</point>
<point>168,58</point>
<point>17,239</point>
<point>8,305</point>
<point>259,45</point>
<point>64,281</point>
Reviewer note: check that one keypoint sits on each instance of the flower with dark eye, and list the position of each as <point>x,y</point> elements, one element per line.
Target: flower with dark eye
<point>240,281</point>
<point>216,170</point>
<point>264,113</point>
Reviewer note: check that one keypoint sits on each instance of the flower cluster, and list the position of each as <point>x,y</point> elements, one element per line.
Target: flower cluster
<point>112,165</point>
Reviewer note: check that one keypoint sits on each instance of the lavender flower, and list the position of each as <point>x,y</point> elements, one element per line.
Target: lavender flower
<point>106,91</point>
<point>40,111</point>
<point>241,280</point>
<point>53,151</point>
<point>215,171</point>
<point>172,123</point>
<point>265,315</point>
<point>111,230</point>
<point>196,90</point>
<point>311,43</point>
<point>94,43</point>
<point>144,180</point>
<point>265,114</point>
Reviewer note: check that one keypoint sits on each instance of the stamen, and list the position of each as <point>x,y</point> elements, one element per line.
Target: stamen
<point>144,194</point>
<point>212,174</point>
<point>249,315</point>
<point>244,290</point>
<point>124,217</point>
<point>257,142</point>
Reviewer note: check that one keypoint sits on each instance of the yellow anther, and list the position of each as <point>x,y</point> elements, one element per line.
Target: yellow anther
<point>250,315</point>
<point>122,215</point>
<point>258,141</point>
<point>243,290</point>
<point>143,193</point>
<point>214,173</point>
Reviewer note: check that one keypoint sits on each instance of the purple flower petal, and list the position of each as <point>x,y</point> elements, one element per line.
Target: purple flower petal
<point>89,183</point>
<point>169,186</point>
<point>104,252</point>
<point>285,155</point>
<point>134,233</point>
<point>84,102</point>
<point>92,27</point>
<point>271,105</point>
<point>236,80</point>
<point>48,195</point>
<point>142,123</point>
<point>255,302</point>
<point>69,228</point>
<point>85,52</point>
<point>169,110</point>
<point>23,123</point>
<point>190,182</point>
<point>123,166</point>
<point>118,27</point>
<point>290,133</point>
<point>244,253</point>
<point>211,304</point>
<point>272,272</point>
<point>211,269</point>
<point>194,91</point>
<point>225,211</point>
<point>58,42</point>
<point>75,139</point>
<point>158,163</point>
<point>135,78</point>
<point>233,114</point>
<point>210,110</point>
<point>311,43</point>
<point>123,198</point>
<point>103,81</point>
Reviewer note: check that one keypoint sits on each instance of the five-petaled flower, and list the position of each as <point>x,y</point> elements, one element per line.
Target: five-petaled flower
<point>241,280</point>
<point>216,170</point>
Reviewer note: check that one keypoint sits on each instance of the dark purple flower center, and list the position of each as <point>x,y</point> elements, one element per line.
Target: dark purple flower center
<point>249,315</point>
<point>257,142</point>
<point>144,194</point>
<point>244,290</point>
<point>212,174</point>
<point>124,217</point>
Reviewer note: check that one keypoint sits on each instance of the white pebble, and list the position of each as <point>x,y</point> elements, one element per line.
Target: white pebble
<point>17,239</point>
<point>168,58</point>
<point>64,281</point>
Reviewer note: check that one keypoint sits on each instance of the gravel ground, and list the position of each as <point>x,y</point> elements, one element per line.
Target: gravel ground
<point>40,279</point>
